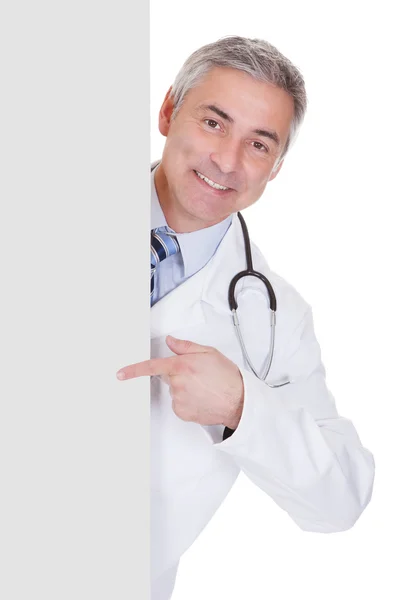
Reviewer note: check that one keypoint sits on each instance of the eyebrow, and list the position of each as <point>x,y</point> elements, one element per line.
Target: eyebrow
<point>272,135</point>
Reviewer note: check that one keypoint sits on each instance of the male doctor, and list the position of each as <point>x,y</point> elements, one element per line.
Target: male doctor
<point>229,119</point>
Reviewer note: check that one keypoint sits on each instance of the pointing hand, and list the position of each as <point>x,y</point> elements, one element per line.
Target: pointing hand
<point>205,386</point>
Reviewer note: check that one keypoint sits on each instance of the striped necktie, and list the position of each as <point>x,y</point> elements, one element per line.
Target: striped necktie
<point>162,246</point>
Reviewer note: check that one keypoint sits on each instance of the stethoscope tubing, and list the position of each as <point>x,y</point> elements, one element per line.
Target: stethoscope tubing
<point>250,272</point>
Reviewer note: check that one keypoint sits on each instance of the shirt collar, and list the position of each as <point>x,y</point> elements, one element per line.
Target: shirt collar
<point>197,247</point>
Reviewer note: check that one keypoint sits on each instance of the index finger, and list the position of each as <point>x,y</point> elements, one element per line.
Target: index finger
<point>153,366</point>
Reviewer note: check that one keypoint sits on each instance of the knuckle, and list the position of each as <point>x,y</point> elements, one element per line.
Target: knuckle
<point>177,385</point>
<point>191,364</point>
<point>179,364</point>
<point>179,408</point>
<point>183,365</point>
<point>151,366</point>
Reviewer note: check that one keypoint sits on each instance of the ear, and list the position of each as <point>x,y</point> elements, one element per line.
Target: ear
<point>164,117</point>
<point>276,171</point>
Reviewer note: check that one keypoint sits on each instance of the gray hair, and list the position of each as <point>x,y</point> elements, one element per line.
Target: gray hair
<point>255,57</point>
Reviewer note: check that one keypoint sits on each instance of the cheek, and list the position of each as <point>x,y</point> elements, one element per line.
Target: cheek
<point>179,148</point>
<point>257,178</point>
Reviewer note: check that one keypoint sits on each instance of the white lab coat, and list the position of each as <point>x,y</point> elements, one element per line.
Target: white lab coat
<point>290,441</point>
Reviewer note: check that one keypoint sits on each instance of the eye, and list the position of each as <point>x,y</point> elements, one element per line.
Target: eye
<point>260,146</point>
<point>211,123</point>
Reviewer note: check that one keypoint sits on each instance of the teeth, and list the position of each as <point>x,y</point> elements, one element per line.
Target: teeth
<point>210,182</point>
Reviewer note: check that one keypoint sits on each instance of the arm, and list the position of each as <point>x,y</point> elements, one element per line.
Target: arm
<point>292,443</point>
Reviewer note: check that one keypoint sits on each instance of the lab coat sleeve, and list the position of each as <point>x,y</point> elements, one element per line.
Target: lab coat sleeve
<point>292,443</point>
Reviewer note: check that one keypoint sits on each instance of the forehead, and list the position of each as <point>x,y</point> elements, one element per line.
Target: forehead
<point>243,97</point>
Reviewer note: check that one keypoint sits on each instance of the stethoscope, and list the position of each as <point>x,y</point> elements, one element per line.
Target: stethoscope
<point>233,305</point>
<point>249,272</point>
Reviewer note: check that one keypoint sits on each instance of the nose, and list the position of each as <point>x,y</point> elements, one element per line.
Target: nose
<point>227,156</point>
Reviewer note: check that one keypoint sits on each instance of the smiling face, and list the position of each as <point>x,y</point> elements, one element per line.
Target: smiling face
<point>221,147</point>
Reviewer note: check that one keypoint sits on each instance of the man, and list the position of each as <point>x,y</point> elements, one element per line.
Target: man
<point>229,120</point>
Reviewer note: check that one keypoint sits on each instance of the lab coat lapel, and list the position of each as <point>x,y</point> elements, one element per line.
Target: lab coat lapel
<point>229,259</point>
<point>182,307</point>
<point>179,308</point>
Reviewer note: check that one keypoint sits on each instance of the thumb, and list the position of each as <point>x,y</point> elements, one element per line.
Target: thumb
<point>184,346</point>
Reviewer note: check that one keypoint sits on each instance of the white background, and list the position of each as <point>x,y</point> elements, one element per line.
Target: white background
<point>329,225</point>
